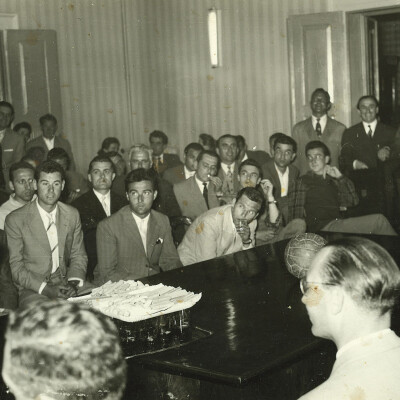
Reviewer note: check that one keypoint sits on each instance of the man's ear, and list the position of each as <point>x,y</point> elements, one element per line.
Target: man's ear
<point>258,181</point>
<point>336,300</point>
<point>328,107</point>
<point>127,196</point>
<point>293,157</point>
<point>62,185</point>
<point>327,159</point>
<point>113,176</point>
<point>89,178</point>
<point>34,184</point>
<point>217,150</point>
<point>155,194</point>
<point>11,186</point>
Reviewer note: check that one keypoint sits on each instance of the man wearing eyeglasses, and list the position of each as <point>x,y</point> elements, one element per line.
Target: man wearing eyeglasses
<point>136,241</point>
<point>323,192</point>
<point>350,291</point>
<point>223,230</point>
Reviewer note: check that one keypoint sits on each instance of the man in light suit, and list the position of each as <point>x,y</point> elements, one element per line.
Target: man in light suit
<point>49,140</point>
<point>350,292</point>
<point>223,230</point>
<point>197,194</point>
<point>318,127</point>
<point>282,173</point>
<point>45,241</point>
<point>136,241</point>
<point>161,160</point>
<point>184,171</point>
<point>12,144</point>
<point>97,204</point>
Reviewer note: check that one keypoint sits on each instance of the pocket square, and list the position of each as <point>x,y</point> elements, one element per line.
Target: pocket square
<point>8,150</point>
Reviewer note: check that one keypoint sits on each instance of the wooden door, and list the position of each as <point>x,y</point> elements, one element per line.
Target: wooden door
<point>33,75</point>
<point>318,57</point>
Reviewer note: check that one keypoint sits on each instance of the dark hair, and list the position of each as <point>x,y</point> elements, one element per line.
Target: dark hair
<point>241,141</point>
<point>285,139</point>
<point>368,96</point>
<point>365,270</point>
<point>96,369</point>
<point>19,165</point>
<point>107,142</point>
<point>326,94</point>
<point>252,194</point>
<point>57,153</point>
<point>159,135</point>
<point>7,104</point>
<point>211,154</point>
<point>193,146</point>
<point>36,154</point>
<point>47,117</point>
<point>273,137</point>
<point>49,167</point>
<point>101,158</point>
<point>21,125</point>
<point>207,140</point>
<point>251,162</point>
<point>139,175</point>
<point>317,144</point>
<point>225,137</point>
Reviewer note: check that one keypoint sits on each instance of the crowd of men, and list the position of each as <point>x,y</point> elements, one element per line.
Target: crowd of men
<point>60,231</point>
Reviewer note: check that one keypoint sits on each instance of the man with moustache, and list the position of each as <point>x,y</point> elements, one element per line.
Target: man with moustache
<point>45,241</point>
<point>97,204</point>
<point>136,241</point>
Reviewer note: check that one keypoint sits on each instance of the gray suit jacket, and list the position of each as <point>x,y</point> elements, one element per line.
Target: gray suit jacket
<point>175,174</point>
<point>191,200</point>
<point>303,132</point>
<point>30,253</point>
<point>120,249</point>
<point>58,142</point>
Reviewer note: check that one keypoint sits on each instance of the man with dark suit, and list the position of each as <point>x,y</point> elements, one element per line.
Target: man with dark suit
<point>12,145</point>
<point>197,194</point>
<point>48,140</point>
<point>97,204</point>
<point>136,241</point>
<point>318,127</point>
<point>184,171</point>
<point>260,156</point>
<point>282,174</point>
<point>45,241</point>
<point>228,150</point>
<point>161,160</point>
<point>367,148</point>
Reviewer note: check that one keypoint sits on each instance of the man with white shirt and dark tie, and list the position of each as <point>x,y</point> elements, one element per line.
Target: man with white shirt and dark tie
<point>350,292</point>
<point>45,241</point>
<point>136,241</point>
<point>318,127</point>
<point>98,203</point>
<point>197,194</point>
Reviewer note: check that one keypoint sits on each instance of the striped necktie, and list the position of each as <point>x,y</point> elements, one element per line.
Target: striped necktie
<point>53,241</point>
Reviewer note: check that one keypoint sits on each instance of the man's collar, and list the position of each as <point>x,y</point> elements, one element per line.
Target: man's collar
<point>323,118</point>
<point>279,171</point>
<point>100,195</point>
<point>42,211</point>
<point>372,124</point>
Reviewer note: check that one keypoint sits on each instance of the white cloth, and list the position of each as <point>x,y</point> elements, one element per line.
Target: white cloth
<point>367,125</point>
<point>322,121</point>
<point>10,205</point>
<point>142,224</point>
<point>284,180</point>
<point>105,200</point>
<point>49,143</point>
<point>366,368</point>
<point>200,184</point>
<point>225,168</point>
<point>188,174</point>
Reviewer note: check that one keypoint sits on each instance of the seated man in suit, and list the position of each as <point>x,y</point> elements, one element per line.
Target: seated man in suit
<point>136,241</point>
<point>12,144</point>
<point>8,291</point>
<point>75,183</point>
<point>161,160</point>
<point>48,140</point>
<point>197,194</point>
<point>140,156</point>
<point>322,193</point>
<point>45,241</point>
<point>228,151</point>
<point>21,180</point>
<point>318,127</point>
<point>62,350</point>
<point>184,171</point>
<point>223,230</point>
<point>269,225</point>
<point>282,173</point>
<point>97,204</point>
<point>350,292</point>
<point>257,155</point>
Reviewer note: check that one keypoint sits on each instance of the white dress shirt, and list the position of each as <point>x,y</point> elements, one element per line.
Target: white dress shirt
<point>225,167</point>
<point>142,224</point>
<point>105,201</point>
<point>322,121</point>
<point>188,174</point>
<point>200,184</point>
<point>284,180</point>
<point>367,125</point>
<point>49,143</point>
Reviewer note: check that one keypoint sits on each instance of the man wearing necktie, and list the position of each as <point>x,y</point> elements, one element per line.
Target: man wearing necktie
<point>45,241</point>
<point>318,127</point>
<point>368,157</point>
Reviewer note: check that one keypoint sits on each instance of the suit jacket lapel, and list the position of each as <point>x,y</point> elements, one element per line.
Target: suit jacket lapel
<point>200,203</point>
<point>62,223</point>
<point>37,227</point>
<point>152,235</point>
<point>131,228</point>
